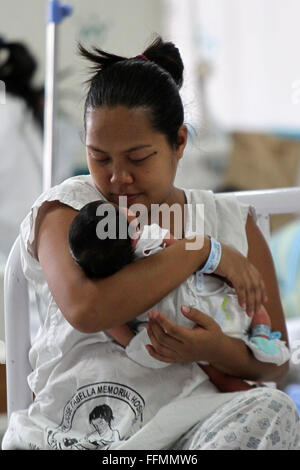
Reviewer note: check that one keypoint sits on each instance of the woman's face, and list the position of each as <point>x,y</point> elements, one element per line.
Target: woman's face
<point>126,157</point>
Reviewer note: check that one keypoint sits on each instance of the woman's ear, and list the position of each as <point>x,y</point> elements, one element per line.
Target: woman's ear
<point>181,140</point>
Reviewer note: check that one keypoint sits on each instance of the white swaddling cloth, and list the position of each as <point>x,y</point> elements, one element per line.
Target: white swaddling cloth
<point>150,240</point>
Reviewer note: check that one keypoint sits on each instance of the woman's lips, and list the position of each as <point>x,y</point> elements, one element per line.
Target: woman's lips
<point>130,197</point>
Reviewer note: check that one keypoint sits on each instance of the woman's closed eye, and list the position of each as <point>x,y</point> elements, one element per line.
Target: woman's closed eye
<point>104,160</point>
<point>101,160</point>
<point>139,160</point>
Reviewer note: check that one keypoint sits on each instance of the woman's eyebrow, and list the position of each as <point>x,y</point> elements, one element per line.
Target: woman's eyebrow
<point>132,149</point>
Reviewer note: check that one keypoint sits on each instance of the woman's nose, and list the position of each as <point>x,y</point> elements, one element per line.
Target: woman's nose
<point>121,176</point>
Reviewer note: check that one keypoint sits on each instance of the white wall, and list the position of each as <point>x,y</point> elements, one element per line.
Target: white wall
<point>253,45</point>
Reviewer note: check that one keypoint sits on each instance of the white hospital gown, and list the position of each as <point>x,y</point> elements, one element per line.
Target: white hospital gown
<point>88,393</point>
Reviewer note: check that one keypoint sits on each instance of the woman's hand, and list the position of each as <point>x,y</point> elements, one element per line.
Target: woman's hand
<point>174,343</point>
<point>245,278</point>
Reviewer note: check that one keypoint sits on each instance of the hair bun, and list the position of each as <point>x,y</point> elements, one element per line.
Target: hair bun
<point>167,56</point>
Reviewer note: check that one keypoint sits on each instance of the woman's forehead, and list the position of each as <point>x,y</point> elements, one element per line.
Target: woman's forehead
<point>120,116</point>
<point>120,127</point>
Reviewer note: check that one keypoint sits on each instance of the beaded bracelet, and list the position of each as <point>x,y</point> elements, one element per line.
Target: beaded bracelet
<point>214,257</point>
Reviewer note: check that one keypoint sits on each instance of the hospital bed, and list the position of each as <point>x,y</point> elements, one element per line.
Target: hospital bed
<point>17,301</point>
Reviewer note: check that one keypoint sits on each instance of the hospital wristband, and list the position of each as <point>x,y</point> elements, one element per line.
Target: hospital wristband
<point>264,330</point>
<point>214,257</point>
<point>261,330</point>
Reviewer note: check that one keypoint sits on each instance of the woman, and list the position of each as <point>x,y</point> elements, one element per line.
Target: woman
<point>135,137</point>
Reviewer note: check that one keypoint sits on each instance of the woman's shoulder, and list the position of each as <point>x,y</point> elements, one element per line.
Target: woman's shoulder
<point>79,181</point>
<point>74,192</point>
<point>196,193</point>
<point>208,194</point>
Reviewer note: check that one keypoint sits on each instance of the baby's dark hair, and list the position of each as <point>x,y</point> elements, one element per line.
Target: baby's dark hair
<point>150,81</point>
<point>100,257</point>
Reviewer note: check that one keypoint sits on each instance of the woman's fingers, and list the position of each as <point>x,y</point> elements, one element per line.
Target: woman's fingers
<point>248,296</point>
<point>187,344</point>
<point>161,347</point>
<point>163,335</point>
<point>200,318</point>
<point>256,292</point>
<point>245,278</point>
<point>168,331</point>
<point>158,356</point>
<point>250,289</point>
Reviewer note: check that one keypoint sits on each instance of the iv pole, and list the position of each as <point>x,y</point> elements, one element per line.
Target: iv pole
<point>55,14</point>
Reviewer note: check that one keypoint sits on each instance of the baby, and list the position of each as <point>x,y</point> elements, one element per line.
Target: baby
<point>102,254</point>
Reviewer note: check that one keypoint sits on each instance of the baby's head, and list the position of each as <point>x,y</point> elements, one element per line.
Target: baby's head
<point>99,239</point>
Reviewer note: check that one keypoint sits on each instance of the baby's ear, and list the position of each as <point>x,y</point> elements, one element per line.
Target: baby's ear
<point>169,240</point>
<point>135,239</point>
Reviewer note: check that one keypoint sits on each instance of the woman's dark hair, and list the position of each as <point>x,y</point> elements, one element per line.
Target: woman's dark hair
<point>150,81</point>
<point>17,72</point>
<point>98,257</point>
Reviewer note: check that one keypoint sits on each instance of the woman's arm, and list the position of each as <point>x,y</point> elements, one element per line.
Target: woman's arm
<point>96,305</point>
<point>225,383</point>
<point>237,359</point>
<point>207,342</point>
<point>259,254</point>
